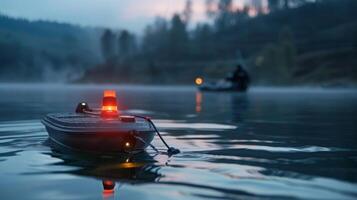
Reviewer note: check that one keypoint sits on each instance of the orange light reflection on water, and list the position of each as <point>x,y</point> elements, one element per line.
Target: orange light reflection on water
<point>198,102</point>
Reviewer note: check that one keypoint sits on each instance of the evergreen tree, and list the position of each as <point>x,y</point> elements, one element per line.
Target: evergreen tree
<point>288,50</point>
<point>107,44</point>
<point>178,38</point>
<point>187,12</point>
<point>273,5</point>
<point>210,8</point>
<point>202,43</point>
<point>155,40</point>
<point>224,15</point>
<point>126,44</point>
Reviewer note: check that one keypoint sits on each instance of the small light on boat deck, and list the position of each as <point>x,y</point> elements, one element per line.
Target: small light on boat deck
<point>109,105</point>
<point>199,81</point>
<point>82,107</point>
<point>127,144</point>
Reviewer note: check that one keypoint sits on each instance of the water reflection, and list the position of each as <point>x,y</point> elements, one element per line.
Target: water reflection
<point>239,105</point>
<point>108,188</point>
<point>111,169</point>
<point>198,102</point>
<point>259,145</point>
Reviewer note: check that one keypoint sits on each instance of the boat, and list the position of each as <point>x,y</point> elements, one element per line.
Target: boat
<point>102,130</point>
<point>218,86</point>
<point>92,133</point>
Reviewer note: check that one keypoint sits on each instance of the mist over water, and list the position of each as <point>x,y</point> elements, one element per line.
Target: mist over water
<point>268,143</point>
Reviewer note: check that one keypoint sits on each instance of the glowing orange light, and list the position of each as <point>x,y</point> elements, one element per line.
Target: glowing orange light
<point>110,108</point>
<point>109,105</point>
<point>110,93</point>
<point>199,81</point>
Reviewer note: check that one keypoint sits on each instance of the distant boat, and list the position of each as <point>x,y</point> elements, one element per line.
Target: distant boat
<point>219,86</point>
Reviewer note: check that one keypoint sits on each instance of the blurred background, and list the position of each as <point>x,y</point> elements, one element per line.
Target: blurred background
<point>280,42</point>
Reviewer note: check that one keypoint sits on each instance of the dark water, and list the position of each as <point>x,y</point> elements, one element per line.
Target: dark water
<point>268,143</point>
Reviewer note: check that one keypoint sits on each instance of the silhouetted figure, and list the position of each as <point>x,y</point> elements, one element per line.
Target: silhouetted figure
<point>240,78</point>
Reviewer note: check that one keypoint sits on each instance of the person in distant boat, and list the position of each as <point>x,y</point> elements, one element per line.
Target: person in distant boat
<point>240,78</point>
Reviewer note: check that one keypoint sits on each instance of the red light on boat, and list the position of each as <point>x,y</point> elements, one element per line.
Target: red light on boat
<point>110,108</point>
<point>110,93</point>
<point>109,104</point>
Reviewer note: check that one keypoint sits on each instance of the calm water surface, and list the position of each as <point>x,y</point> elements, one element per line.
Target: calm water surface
<point>266,144</point>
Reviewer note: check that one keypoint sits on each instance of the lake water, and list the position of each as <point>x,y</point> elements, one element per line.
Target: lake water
<point>268,143</point>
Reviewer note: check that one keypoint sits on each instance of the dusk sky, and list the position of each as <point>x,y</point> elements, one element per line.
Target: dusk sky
<point>130,14</point>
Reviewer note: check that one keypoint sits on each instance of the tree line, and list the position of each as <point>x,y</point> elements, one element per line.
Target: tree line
<point>170,40</point>
<point>269,38</point>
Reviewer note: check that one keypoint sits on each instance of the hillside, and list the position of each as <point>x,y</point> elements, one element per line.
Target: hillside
<point>44,51</point>
<point>320,39</point>
<point>314,44</point>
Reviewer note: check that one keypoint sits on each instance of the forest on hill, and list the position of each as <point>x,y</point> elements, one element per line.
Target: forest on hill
<point>296,42</point>
<point>37,51</point>
<point>287,42</point>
